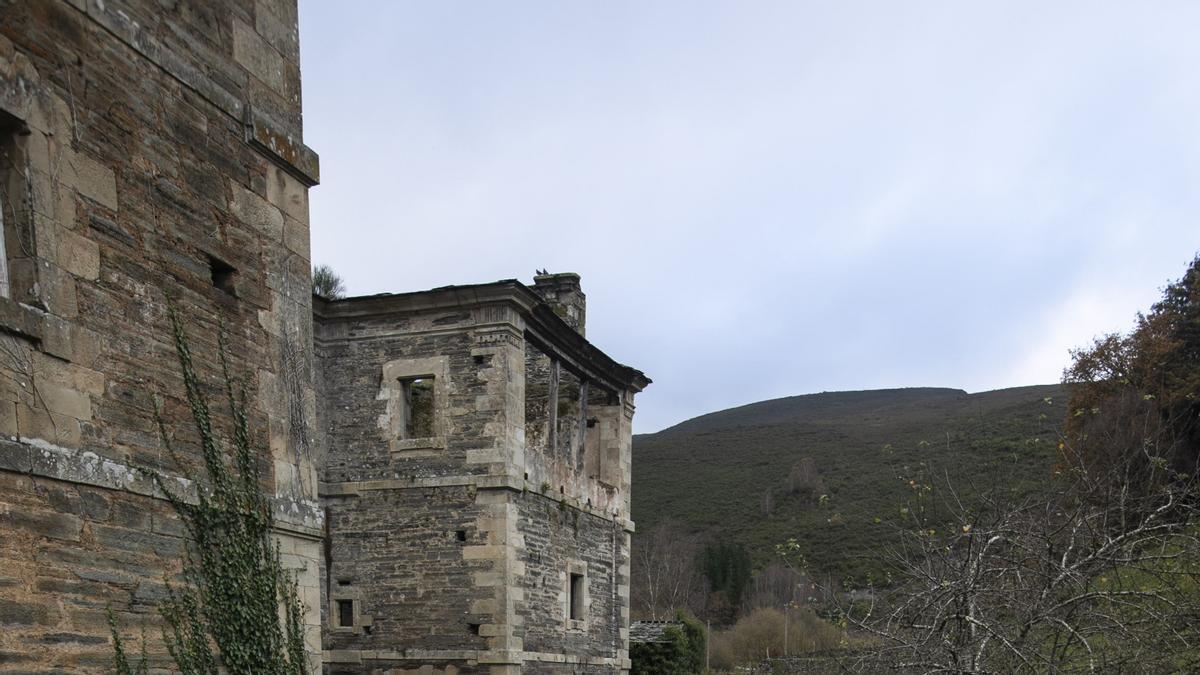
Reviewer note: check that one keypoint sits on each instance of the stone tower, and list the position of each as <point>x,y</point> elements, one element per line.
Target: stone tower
<point>476,482</point>
<point>146,148</point>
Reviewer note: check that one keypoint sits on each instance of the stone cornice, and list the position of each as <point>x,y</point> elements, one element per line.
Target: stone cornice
<point>542,326</point>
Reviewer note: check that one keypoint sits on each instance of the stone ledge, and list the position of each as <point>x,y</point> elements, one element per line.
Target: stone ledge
<point>290,154</point>
<point>35,457</point>
<point>480,482</point>
<point>406,444</point>
<point>20,319</point>
<point>491,657</point>
<point>52,333</point>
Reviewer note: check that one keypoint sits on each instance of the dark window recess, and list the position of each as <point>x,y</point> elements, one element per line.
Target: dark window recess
<point>223,275</point>
<point>474,628</point>
<point>591,422</point>
<point>345,613</point>
<point>460,535</point>
<point>418,407</point>
<point>343,582</point>
<point>576,591</point>
<point>16,232</point>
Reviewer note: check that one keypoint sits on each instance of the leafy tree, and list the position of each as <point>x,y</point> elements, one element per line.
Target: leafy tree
<point>727,567</point>
<point>326,283</point>
<point>238,611</point>
<point>1138,395</point>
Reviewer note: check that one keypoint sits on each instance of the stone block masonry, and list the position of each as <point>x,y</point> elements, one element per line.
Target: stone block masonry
<point>495,537</point>
<point>146,148</point>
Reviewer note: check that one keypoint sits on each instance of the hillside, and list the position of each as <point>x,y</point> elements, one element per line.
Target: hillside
<point>754,474</point>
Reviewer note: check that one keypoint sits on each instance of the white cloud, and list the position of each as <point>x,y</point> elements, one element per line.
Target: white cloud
<point>802,196</point>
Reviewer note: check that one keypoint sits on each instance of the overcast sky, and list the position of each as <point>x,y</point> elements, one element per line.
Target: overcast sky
<point>769,199</point>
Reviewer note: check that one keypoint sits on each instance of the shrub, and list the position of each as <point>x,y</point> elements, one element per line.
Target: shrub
<point>681,654</point>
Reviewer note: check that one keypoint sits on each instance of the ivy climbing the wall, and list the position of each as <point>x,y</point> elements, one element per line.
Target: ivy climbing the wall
<point>238,610</point>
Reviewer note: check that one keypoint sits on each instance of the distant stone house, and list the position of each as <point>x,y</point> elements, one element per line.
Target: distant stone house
<point>476,481</point>
<point>652,632</point>
<point>450,470</point>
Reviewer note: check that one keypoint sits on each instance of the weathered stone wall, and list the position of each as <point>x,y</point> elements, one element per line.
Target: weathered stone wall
<point>355,414</point>
<point>538,368</point>
<point>554,537</point>
<point>455,550</point>
<point>148,148</point>
<point>410,539</point>
<point>67,550</point>
<point>400,554</point>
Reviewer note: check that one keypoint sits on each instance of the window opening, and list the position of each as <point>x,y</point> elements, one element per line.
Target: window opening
<point>4,288</point>
<point>12,197</point>
<point>345,613</point>
<point>576,599</point>
<point>540,385</point>
<point>223,274</point>
<point>418,407</point>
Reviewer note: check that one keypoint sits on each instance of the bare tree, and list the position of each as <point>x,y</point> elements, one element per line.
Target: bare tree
<point>665,576</point>
<point>1091,576</point>
<point>1100,572</point>
<point>777,586</point>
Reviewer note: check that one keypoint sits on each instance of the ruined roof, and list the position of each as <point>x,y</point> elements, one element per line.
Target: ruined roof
<point>545,325</point>
<point>651,631</point>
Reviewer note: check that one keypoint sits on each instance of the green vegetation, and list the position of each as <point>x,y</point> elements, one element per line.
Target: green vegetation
<point>829,469</point>
<point>326,283</point>
<point>726,567</point>
<point>768,633</point>
<point>1141,390</point>
<point>238,610</point>
<point>1095,571</point>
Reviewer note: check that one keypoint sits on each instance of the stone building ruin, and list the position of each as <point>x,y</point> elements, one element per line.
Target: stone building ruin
<point>476,480</point>
<point>450,469</point>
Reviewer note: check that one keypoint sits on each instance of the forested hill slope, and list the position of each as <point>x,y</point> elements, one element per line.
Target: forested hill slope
<point>755,474</point>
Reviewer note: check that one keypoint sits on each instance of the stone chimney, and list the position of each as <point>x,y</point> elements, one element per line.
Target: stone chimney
<point>563,293</point>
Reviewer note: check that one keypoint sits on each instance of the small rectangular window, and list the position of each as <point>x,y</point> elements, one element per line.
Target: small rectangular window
<point>223,275</point>
<point>418,407</point>
<point>576,599</point>
<point>345,613</point>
